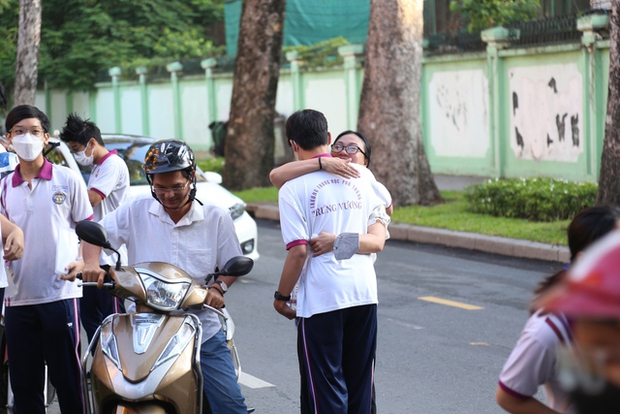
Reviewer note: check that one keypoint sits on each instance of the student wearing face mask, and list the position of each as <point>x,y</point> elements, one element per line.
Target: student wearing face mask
<point>108,188</point>
<point>41,309</point>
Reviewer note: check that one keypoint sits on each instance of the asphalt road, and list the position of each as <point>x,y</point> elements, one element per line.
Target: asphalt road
<point>447,321</point>
<point>431,358</point>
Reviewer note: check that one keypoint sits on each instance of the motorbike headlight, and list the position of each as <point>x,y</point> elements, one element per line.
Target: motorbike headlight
<point>109,347</point>
<point>177,343</point>
<point>162,295</point>
<point>237,210</point>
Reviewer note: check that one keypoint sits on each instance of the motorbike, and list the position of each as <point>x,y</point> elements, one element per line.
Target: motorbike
<point>148,361</point>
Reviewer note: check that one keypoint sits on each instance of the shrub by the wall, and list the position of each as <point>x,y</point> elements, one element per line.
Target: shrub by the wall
<point>215,164</point>
<point>535,199</point>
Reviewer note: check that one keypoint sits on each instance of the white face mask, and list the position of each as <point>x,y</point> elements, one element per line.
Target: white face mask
<point>82,159</point>
<point>27,146</point>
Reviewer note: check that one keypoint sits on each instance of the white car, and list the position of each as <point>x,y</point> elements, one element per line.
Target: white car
<point>133,148</point>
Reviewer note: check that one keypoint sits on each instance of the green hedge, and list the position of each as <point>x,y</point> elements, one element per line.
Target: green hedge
<point>535,199</point>
<point>215,164</point>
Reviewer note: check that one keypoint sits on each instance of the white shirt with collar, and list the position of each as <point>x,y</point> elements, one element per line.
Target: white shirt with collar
<point>47,214</point>
<point>202,240</point>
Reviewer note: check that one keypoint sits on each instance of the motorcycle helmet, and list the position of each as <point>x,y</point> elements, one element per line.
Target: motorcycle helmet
<point>170,155</point>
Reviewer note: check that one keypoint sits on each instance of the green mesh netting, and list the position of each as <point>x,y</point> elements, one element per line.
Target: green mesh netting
<point>309,21</point>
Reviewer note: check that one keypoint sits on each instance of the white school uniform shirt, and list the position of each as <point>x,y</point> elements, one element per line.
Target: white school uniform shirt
<point>202,240</point>
<point>533,361</point>
<point>47,214</point>
<point>321,201</point>
<point>382,192</point>
<point>110,179</point>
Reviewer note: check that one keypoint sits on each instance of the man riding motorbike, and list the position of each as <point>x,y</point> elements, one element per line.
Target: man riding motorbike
<point>177,228</point>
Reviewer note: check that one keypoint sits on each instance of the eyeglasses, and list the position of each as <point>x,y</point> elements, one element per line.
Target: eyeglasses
<point>349,149</point>
<point>177,189</point>
<point>21,131</point>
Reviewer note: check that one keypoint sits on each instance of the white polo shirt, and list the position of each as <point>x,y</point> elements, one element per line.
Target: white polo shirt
<point>533,361</point>
<point>318,202</point>
<point>47,214</point>
<point>202,240</point>
<point>110,179</point>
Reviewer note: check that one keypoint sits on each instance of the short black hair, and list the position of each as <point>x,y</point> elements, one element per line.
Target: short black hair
<point>308,128</point>
<point>80,130</point>
<point>21,112</point>
<point>367,148</point>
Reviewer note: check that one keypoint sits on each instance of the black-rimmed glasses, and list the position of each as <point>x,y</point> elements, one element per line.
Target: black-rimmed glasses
<point>349,149</point>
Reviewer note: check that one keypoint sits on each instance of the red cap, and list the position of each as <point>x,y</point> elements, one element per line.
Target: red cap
<point>592,287</point>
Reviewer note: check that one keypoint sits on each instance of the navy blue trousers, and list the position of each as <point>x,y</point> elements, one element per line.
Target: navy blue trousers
<point>45,333</point>
<point>336,352</point>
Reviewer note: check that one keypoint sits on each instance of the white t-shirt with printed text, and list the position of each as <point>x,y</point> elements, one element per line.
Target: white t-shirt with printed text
<point>318,202</point>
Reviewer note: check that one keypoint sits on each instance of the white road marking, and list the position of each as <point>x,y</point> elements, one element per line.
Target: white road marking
<point>253,382</point>
<point>407,324</point>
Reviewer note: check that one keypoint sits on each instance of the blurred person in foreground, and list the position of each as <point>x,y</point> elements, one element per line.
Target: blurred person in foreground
<point>590,297</point>
<point>534,360</point>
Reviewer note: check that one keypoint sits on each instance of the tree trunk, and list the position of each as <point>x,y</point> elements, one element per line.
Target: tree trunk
<point>27,64</point>
<point>609,176</point>
<point>249,143</point>
<point>390,103</point>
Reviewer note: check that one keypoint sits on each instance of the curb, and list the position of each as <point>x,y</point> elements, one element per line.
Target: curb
<point>471,241</point>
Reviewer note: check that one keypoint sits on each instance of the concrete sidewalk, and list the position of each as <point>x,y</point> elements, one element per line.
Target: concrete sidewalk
<point>490,244</point>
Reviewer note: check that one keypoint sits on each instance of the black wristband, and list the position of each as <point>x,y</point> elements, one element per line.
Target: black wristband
<point>279,296</point>
<point>320,165</point>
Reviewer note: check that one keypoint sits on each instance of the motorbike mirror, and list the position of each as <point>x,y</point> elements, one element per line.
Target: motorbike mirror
<point>93,233</point>
<point>237,266</point>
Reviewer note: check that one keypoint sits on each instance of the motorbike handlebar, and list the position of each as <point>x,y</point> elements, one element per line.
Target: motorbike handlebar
<point>107,280</point>
<point>211,308</point>
<point>106,284</point>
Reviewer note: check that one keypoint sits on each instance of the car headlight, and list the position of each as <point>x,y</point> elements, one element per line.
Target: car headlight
<point>237,210</point>
<point>162,295</point>
<point>247,247</point>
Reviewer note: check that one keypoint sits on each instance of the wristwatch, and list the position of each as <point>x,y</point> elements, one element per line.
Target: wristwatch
<point>279,296</point>
<point>223,285</point>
